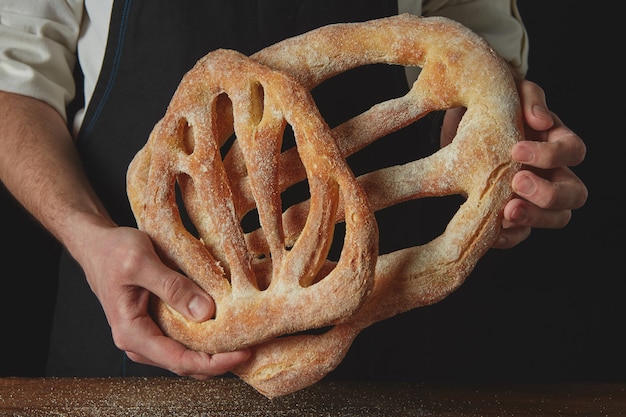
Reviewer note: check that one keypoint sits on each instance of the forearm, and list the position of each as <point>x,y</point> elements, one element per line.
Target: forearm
<point>40,166</point>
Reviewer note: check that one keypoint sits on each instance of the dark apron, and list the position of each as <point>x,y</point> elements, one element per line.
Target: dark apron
<point>151,45</point>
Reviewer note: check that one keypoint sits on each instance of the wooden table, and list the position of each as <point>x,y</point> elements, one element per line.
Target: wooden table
<point>224,397</point>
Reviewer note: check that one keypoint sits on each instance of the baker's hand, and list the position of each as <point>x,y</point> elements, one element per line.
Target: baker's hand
<point>546,188</point>
<point>122,273</point>
<point>40,166</point>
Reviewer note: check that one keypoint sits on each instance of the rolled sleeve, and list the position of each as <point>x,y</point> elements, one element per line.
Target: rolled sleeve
<point>498,21</point>
<point>38,49</point>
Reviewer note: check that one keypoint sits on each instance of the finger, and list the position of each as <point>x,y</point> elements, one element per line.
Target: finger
<point>178,291</point>
<point>144,343</point>
<point>511,236</point>
<point>523,213</point>
<point>533,100</point>
<point>556,189</point>
<point>558,147</point>
<point>198,365</point>
<point>142,268</point>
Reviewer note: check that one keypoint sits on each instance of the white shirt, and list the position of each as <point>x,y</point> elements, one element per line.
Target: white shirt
<point>40,39</point>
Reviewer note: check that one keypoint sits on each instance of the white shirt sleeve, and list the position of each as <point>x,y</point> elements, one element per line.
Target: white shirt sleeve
<point>38,40</point>
<point>38,49</point>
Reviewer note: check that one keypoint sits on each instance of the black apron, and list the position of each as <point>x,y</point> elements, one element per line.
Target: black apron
<point>151,45</point>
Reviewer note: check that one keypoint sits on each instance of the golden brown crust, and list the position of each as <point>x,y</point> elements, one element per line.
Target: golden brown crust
<point>258,285</point>
<point>457,69</point>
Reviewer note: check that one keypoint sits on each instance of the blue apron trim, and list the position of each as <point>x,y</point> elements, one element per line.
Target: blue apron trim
<point>116,64</point>
<point>126,105</point>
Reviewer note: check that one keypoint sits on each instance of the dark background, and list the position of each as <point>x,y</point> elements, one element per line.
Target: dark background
<point>551,309</point>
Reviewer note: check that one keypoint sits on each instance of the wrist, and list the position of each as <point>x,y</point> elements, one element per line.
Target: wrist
<point>83,233</point>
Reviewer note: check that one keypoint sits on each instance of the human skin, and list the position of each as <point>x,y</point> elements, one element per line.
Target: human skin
<point>547,190</point>
<point>40,166</point>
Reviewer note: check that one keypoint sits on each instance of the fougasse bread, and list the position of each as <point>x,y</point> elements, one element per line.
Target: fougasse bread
<point>274,281</point>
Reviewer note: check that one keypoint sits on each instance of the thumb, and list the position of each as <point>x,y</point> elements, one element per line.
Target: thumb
<point>183,295</point>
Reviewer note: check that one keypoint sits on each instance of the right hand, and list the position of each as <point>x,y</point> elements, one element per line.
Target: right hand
<point>40,166</point>
<point>123,270</point>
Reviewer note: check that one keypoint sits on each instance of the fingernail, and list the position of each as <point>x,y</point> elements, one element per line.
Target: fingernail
<point>541,112</point>
<point>518,214</point>
<point>199,307</point>
<point>523,155</point>
<point>524,186</point>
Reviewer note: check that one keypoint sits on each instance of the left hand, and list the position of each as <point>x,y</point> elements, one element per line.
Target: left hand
<point>546,188</point>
